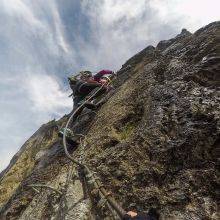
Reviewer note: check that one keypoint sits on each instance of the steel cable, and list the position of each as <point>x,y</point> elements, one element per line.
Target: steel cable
<point>119,210</point>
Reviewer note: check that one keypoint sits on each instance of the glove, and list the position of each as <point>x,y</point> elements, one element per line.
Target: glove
<point>151,215</point>
<point>139,216</point>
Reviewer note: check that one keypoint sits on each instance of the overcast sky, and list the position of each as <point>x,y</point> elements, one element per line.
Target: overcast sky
<point>42,42</point>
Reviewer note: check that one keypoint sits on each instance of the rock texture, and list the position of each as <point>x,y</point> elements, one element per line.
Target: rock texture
<point>154,143</point>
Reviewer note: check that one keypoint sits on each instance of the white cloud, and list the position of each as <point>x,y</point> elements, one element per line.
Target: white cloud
<point>29,101</point>
<point>113,11</point>
<point>191,14</point>
<point>46,95</point>
<point>60,30</point>
<point>121,28</point>
<point>19,8</point>
<point>32,43</point>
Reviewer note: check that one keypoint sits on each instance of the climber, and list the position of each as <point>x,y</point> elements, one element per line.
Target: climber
<point>84,84</point>
<point>151,215</point>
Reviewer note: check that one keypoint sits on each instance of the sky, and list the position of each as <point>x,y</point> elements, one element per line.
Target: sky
<point>43,42</point>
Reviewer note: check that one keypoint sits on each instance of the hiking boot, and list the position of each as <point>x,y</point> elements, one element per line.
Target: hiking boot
<point>70,137</point>
<point>101,102</point>
<point>90,105</point>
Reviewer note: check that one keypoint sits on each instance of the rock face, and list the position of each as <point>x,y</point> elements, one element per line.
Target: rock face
<point>154,143</point>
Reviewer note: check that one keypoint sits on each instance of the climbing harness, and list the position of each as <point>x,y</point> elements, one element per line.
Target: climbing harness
<point>88,174</point>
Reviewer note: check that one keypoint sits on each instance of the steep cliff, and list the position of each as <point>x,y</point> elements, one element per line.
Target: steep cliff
<point>154,143</point>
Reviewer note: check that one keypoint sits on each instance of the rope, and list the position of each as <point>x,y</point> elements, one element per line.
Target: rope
<point>98,185</point>
<point>67,125</point>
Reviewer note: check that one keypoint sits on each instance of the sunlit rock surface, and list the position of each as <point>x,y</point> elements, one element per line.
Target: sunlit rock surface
<point>154,143</point>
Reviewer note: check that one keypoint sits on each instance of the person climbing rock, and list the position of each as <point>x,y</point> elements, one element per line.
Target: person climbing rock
<point>151,215</point>
<point>84,84</point>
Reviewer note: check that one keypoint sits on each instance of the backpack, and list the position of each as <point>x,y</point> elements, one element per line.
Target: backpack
<point>73,81</point>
